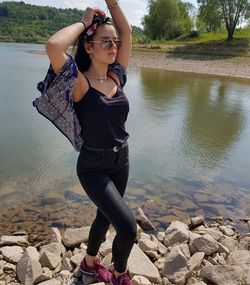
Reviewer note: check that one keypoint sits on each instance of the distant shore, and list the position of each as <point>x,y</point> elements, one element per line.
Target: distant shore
<point>238,67</point>
<point>201,64</point>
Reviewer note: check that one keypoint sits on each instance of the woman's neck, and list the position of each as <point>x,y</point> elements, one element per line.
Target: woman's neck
<point>97,70</point>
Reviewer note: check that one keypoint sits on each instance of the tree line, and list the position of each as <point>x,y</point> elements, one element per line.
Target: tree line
<point>20,22</point>
<point>165,19</point>
<point>170,19</point>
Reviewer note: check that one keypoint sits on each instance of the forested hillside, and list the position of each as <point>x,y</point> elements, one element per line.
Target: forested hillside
<point>20,22</point>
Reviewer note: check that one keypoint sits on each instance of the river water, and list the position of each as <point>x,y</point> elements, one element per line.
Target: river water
<point>189,147</point>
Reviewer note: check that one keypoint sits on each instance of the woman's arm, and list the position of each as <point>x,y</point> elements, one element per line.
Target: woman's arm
<point>58,44</point>
<point>124,30</point>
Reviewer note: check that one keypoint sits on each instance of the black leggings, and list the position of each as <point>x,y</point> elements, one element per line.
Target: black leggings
<point>104,177</point>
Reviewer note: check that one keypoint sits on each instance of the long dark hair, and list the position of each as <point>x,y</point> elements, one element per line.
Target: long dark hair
<point>82,58</point>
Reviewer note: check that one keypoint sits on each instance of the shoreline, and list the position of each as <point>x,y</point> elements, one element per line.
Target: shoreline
<point>236,67</point>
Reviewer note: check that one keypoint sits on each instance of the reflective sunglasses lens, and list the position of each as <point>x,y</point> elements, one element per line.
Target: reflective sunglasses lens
<point>107,44</point>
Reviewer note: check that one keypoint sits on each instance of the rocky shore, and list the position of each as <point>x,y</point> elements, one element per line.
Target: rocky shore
<point>238,67</point>
<point>194,252</point>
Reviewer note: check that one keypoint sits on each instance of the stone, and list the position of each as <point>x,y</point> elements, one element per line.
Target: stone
<point>144,221</point>
<point>140,264</point>
<point>206,244</point>
<point>229,243</point>
<point>28,267</point>
<point>51,282</point>
<point>140,280</point>
<point>105,248</point>
<point>226,230</point>
<point>244,243</point>
<point>222,275</point>
<point>9,268</point>
<point>74,237</point>
<point>46,275</point>
<point>197,221</point>
<point>11,253</point>
<point>14,240</point>
<point>176,233</point>
<point>196,260</point>
<point>54,248</point>
<point>176,267</point>
<point>55,236</point>
<point>49,260</point>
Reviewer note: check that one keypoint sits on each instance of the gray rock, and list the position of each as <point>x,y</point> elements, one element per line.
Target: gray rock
<point>54,248</point>
<point>55,236</point>
<point>140,280</point>
<point>140,264</point>
<point>229,243</point>
<point>11,253</point>
<point>222,275</point>
<point>28,267</point>
<point>206,244</point>
<point>14,240</point>
<point>46,275</point>
<point>49,260</point>
<point>197,221</point>
<point>226,230</point>
<point>51,282</point>
<point>176,233</point>
<point>176,267</point>
<point>244,242</point>
<point>74,237</point>
<point>196,260</point>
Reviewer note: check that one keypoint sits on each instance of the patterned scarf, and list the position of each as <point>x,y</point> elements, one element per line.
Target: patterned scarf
<point>97,21</point>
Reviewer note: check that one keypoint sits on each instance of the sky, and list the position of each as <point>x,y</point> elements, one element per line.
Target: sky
<point>133,9</point>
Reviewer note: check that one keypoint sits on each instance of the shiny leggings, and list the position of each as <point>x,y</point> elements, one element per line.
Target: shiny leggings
<point>104,179</point>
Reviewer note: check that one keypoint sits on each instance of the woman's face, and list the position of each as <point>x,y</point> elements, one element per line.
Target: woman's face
<point>101,49</point>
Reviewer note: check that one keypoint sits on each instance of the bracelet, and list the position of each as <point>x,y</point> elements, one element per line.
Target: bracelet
<point>110,7</point>
<point>85,27</point>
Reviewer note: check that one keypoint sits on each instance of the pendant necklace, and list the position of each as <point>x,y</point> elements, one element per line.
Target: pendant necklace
<point>100,79</point>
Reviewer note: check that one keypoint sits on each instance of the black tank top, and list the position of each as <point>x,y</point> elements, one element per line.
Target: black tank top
<point>102,118</point>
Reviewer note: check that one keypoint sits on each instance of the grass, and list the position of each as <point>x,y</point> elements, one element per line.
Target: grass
<point>214,44</point>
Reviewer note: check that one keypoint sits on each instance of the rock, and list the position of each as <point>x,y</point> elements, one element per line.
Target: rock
<point>196,260</point>
<point>140,280</point>
<point>55,236</point>
<point>244,243</point>
<point>105,248</point>
<point>49,260</point>
<point>46,275</point>
<point>176,233</point>
<point>11,253</point>
<point>14,240</point>
<point>9,268</point>
<point>229,243</point>
<point>54,248</point>
<point>74,237</point>
<point>214,232</point>
<point>206,244</point>
<point>51,282</point>
<point>144,221</point>
<point>226,230</point>
<point>240,257</point>
<point>222,275</point>
<point>176,267</point>
<point>197,221</point>
<point>28,267</point>
<point>140,264</point>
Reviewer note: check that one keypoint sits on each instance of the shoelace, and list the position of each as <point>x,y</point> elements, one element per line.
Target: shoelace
<point>125,278</point>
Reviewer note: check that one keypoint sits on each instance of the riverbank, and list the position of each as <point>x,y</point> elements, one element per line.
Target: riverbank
<point>201,64</point>
<point>194,252</point>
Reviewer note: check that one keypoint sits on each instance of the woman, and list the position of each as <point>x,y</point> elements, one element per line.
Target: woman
<point>95,81</point>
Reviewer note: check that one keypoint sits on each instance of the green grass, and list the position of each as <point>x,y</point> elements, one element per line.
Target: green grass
<point>214,44</point>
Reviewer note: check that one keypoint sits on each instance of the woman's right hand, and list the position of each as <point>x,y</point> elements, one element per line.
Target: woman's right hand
<point>89,15</point>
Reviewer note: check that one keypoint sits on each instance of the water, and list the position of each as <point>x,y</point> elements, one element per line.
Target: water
<point>189,143</point>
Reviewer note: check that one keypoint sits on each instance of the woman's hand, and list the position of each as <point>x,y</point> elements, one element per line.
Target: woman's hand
<point>89,15</point>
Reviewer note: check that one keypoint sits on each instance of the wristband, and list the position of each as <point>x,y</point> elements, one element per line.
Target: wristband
<point>85,27</point>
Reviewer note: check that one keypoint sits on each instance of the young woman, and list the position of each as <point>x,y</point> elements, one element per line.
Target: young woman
<point>95,112</point>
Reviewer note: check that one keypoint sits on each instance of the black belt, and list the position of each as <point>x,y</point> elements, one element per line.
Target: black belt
<point>114,149</point>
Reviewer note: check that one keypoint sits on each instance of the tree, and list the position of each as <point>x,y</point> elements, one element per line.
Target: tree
<point>166,19</point>
<point>229,11</point>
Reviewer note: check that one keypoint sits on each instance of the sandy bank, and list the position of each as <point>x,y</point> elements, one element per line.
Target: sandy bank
<point>224,66</point>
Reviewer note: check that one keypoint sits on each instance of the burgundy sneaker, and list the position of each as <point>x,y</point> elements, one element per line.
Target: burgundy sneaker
<point>98,271</point>
<point>122,280</point>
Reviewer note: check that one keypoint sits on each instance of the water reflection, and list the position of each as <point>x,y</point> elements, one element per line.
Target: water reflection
<point>213,122</point>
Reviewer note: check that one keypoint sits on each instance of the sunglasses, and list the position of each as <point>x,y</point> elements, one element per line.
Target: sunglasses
<point>107,44</point>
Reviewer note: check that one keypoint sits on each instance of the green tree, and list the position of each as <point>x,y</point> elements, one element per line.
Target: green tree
<point>166,19</point>
<point>228,12</point>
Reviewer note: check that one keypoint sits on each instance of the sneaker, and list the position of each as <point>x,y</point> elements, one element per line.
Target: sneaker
<point>97,271</point>
<point>122,280</point>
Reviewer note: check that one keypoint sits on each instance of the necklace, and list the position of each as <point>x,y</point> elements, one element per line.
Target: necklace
<point>100,79</point>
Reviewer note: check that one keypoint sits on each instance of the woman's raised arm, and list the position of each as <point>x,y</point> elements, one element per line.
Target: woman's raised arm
<point>124,30</point>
